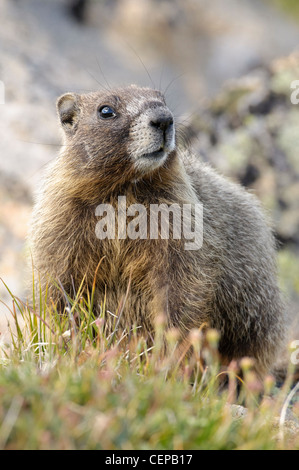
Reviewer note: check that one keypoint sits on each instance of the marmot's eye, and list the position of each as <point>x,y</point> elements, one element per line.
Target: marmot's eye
<point>105,112</point>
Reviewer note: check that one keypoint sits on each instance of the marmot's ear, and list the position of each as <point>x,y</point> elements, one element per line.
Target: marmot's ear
<point>68,111</point>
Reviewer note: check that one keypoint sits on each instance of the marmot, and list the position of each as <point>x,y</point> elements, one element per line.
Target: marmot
<point>123,143</point>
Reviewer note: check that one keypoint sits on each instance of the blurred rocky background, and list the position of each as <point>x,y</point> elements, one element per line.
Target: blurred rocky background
<point>226,69</point>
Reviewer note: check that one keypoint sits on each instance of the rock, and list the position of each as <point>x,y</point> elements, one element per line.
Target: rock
<point>250,132</point>
<point>238,411</point>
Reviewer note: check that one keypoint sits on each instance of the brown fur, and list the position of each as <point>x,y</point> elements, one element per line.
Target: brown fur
<point>230,283</point>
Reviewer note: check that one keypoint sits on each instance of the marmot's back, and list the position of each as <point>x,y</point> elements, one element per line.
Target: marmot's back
<point>248,276</point>
<point>120,150</point>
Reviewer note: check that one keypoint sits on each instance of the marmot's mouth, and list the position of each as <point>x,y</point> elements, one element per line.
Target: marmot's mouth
<point>150,161</point>
<point>155,155</point>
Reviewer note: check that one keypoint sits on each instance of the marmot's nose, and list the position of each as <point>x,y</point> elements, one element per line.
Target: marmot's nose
<point>162,121</point>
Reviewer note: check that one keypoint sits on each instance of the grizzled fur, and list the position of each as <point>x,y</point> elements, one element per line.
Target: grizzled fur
<point>229,284</point>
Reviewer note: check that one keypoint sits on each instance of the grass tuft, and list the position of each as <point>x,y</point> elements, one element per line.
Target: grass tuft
<point>68,383</point>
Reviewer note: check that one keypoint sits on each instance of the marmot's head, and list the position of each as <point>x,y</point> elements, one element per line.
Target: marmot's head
<point>123,135</point>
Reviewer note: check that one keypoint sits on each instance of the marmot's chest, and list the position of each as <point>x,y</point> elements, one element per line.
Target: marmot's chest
<point>137,241</point>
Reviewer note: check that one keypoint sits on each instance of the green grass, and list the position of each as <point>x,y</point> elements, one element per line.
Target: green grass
<point>65,383</point>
